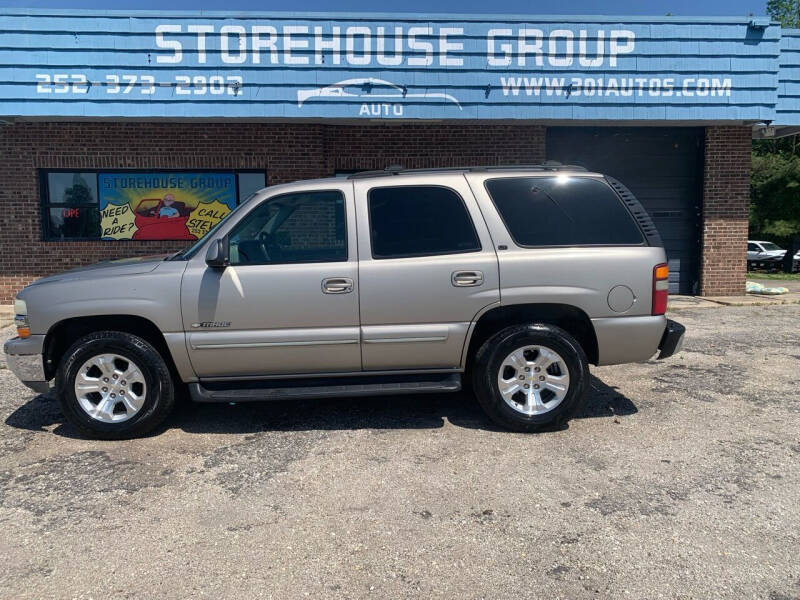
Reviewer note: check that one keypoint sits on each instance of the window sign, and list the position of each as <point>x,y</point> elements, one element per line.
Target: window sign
<point>163,206</point>
<point>141,205</point>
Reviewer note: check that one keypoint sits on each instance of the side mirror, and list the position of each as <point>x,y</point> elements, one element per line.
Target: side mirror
<point>217,254</point>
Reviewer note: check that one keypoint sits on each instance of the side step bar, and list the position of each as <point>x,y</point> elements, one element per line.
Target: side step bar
<point>260,391</point>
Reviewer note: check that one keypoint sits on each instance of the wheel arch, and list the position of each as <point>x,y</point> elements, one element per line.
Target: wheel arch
<point>566,316</point>
<point>64,333</point>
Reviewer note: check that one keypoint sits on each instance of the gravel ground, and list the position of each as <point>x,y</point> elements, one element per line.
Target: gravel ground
<point>679,480</point>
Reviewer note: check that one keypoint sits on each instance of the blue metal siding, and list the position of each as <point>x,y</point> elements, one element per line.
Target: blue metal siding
<point>673,69</point>
<point>788,108</point>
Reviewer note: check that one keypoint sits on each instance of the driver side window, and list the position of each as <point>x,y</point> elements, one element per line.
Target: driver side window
<point>303,227</point>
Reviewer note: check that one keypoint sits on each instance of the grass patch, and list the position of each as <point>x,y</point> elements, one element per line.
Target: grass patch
<point>777,276</point>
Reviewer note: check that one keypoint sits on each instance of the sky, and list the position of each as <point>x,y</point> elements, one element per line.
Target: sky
<point>541,7</point>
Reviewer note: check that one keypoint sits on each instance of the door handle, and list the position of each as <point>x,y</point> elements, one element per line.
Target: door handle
<point>466,278</point>
<point>337,285</point>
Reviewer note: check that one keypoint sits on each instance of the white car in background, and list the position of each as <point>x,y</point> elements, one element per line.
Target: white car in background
<point>767,252</point>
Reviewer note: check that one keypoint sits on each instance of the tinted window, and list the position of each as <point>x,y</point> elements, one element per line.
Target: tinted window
<point>419,221</point>
<point>301,227</point>
<point>753,248</point>
<point>562,211</point>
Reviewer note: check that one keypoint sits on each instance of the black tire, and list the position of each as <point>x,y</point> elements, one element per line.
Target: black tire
<point>159,397</point>
<point>493,352</point>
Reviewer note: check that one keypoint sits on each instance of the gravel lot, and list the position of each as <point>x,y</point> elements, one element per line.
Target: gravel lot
<point>679,480</point>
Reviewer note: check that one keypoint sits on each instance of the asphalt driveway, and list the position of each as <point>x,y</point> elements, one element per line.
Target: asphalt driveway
<point>681,479</point>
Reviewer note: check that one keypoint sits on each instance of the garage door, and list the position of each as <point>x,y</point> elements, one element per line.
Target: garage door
<point>663,167</point>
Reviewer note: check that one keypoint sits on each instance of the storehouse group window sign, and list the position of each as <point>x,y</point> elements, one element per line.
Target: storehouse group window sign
<point>137,205</point>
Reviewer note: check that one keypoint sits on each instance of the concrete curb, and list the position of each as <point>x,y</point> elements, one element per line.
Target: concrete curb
<point>756,300</point>
<point>687,302</point>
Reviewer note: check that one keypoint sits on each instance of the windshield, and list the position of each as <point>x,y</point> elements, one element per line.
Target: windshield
<point>190,251</point>
<point>770,246</point>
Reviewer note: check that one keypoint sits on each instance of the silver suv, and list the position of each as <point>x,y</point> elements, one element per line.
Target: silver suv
<point>391,282</point>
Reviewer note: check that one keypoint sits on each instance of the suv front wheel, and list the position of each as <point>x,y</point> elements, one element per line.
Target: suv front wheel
<point>530,377</point>
<point>114,385</point>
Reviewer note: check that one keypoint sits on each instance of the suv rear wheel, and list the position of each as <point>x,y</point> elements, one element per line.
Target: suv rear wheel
<point>114,385</point>
<point>529,377</point>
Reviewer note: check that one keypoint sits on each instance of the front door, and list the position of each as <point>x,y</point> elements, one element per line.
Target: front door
<point>427,268</point>
<point>288,302</point>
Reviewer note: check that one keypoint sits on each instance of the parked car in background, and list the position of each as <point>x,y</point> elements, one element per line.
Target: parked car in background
<point>767,254</point>
<point>758,251</point>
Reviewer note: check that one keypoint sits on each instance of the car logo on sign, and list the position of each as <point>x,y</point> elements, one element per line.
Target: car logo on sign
<point>372,88</point>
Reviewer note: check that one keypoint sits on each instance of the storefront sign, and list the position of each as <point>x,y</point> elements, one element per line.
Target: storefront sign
<point>388,66</point>
<point>163,206</point>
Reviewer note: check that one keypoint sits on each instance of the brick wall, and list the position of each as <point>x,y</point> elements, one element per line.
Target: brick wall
<point>726,202</point>
<point>287,152</point>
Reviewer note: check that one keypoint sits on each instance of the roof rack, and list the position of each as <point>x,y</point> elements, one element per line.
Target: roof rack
<point>400,170</point>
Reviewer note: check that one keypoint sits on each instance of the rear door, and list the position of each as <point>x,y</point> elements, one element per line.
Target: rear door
<point>427,267</point>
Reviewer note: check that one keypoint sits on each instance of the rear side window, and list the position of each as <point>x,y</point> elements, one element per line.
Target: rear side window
<point>419,221</point>
<point>562,211</point>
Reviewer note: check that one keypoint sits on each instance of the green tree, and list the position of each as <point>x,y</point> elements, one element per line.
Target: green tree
<point>775,169</point>
<point>775,194</point>
<point>775,197</point>
<point>785,11</point>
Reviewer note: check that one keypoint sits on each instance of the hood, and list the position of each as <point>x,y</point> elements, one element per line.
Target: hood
<point>122,266</point>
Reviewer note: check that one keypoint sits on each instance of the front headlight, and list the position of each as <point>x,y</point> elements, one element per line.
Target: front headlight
<point>21,318</point>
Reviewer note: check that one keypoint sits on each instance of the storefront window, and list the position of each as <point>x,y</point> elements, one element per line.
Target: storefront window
<point>249,183</point>
<point>141,205</point>
<point>71,211</point>
<point>73,222</point>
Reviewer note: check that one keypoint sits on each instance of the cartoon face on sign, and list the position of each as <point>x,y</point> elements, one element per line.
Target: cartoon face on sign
<point>163,206</point>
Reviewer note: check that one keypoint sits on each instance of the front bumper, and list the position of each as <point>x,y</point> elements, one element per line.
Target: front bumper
<point>24,358</point>
<point>672,340</point>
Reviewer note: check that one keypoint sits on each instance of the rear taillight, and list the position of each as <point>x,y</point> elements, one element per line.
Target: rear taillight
<point>660,288</point>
